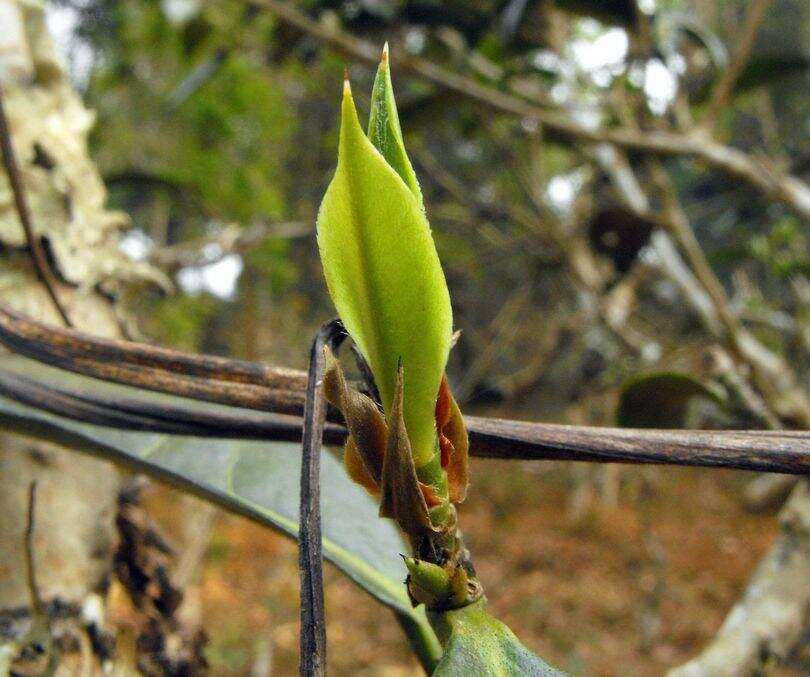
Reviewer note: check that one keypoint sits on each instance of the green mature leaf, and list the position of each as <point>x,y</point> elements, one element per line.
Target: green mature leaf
<point>385,278</point>
<point>478,644</point>
<point>765,69</point>
<point>384,130</point>
<point>662,400</point>
<point>255,479</point>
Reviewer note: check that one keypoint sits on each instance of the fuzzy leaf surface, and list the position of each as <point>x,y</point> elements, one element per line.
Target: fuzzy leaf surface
<point>479,644</point>
<point>385,278</point>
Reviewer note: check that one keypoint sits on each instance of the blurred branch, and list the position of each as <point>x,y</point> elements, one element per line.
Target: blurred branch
<point>39,634</point>
<point>505,324</point>
<point>745,37</point>
<point>233,239</point>
<point>775,379</point>
<point>37,608</point>
<point>737,164</point>
<point>40,261</point>
<point>701,287</point>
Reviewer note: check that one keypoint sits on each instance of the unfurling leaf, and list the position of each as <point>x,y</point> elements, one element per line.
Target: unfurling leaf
<point>384,130</point>
<point>383,271</point>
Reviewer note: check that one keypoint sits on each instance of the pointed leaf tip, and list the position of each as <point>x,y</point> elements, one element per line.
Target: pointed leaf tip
<point>384,130</point>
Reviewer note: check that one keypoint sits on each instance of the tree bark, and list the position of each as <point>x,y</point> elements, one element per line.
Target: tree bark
<point>767,622</point>
<point>76,497</point>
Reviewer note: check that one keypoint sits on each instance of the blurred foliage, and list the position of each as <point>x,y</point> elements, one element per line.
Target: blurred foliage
<point>668,400</point>
<point>214,112</point>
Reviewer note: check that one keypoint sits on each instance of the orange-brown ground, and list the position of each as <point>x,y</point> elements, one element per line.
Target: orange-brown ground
<point>630,589</point>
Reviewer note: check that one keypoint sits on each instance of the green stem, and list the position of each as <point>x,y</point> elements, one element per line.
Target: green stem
<point>423,641</point>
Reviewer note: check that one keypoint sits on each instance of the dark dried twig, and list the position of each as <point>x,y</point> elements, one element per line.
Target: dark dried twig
<point>310,557</point>
<point>38,257</point>
<point>158,417</point>
<point>768,451</point>
<point>202,377</point>
<point>39,633</point>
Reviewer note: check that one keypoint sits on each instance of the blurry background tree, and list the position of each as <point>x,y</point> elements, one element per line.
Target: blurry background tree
<point>615,189</point>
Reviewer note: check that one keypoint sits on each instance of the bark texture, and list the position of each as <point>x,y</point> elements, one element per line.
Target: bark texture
<point>767,622</point>
<point>76,498</point>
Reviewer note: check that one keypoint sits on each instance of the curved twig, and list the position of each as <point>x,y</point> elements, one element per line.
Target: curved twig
<point>15,180</point>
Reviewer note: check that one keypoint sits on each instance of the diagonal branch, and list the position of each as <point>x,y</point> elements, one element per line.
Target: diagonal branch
<point>745,42</point>
<point>38,257</point>
<point>233,239</point>
<point>733,162</point>
<point>203,377</point>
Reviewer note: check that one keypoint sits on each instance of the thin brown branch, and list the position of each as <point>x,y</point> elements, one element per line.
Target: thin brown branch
<point>144,415</point>
<point>38,257</point>
<point>495,438</point>
<point>783,451</point>
<point>203,377</point>
<point>787,452</point>
<point>737,164</point>
<point>745,38</point>
<point>37,607</point>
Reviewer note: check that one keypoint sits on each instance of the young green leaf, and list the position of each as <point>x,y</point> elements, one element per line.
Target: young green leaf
<point>384,130</point>
<point>385,278</point>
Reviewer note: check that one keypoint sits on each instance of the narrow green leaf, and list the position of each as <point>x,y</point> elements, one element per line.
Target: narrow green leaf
<point>258,480</point>
<point>384,130</point>
<point>385,278</point>
<point>475,643</point>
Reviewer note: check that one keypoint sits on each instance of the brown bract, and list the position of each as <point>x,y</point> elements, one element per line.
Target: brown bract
<point>368,431</point>
<point>453,442</point>
<point>378,453</point>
